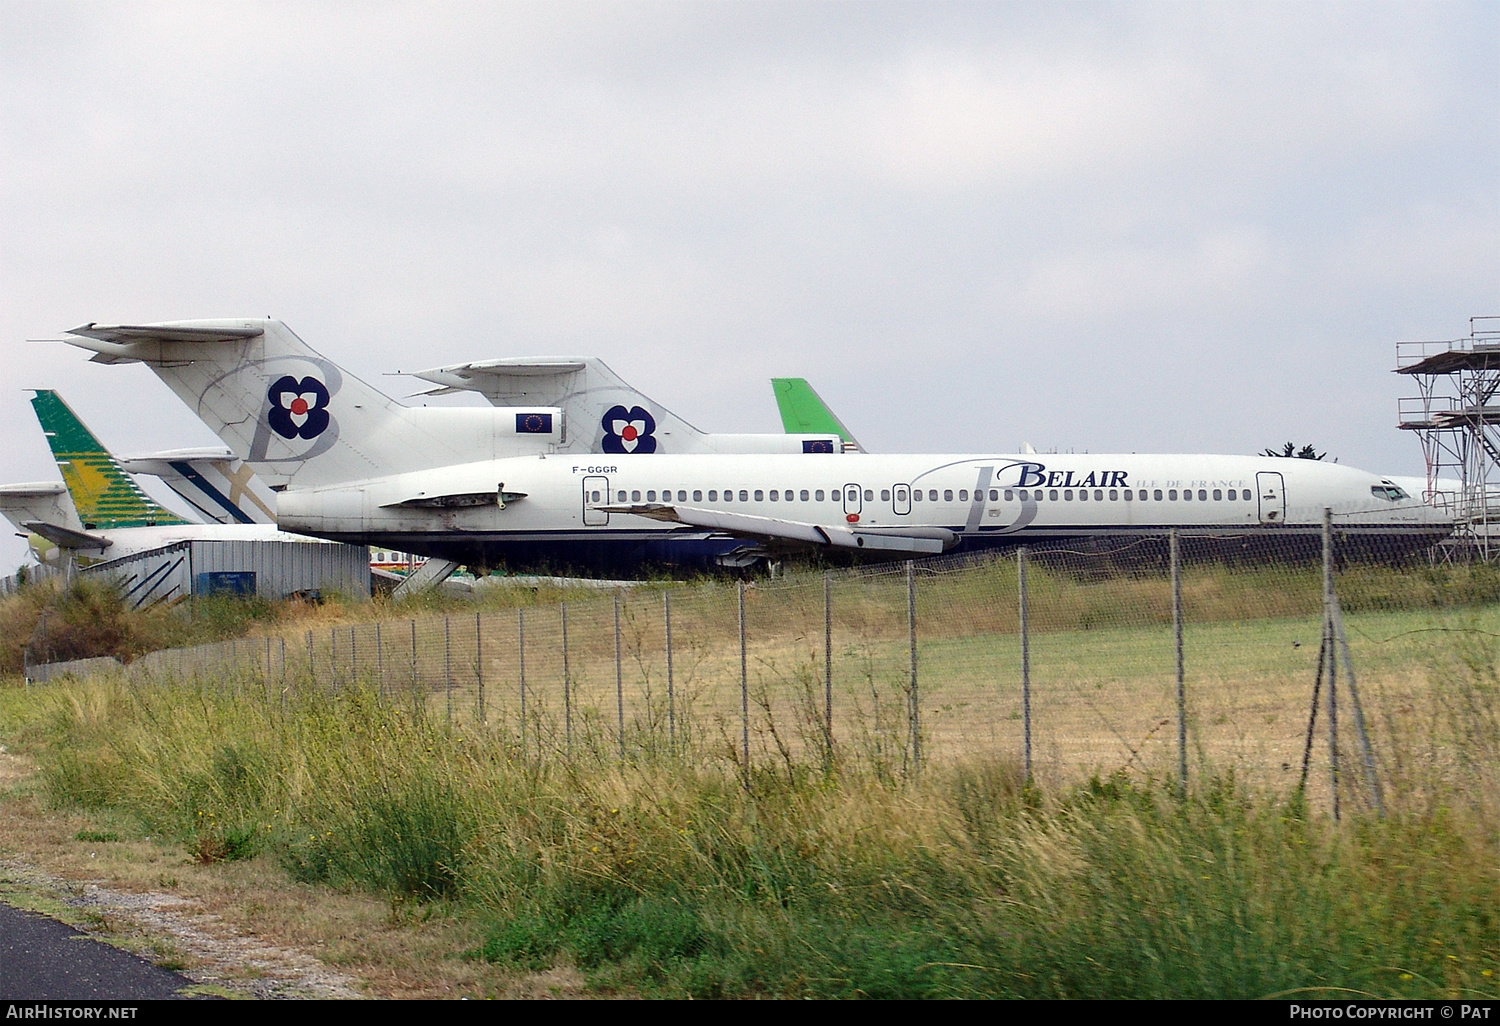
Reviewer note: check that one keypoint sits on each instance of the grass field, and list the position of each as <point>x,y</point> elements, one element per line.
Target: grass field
<point>675,871</point>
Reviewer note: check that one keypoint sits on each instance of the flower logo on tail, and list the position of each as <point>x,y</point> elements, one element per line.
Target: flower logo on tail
<point>628,430</point>
<point>299,409</point>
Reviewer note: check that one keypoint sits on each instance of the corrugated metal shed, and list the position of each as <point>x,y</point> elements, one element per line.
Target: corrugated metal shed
<point>269,569</point>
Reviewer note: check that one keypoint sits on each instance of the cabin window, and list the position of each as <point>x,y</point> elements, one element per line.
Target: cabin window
<point>1010,496</point>
<point>916,495</point>
<point>818,495</point>
<point>932,495</point>
<point>760,496</point>
<point>1129,495</point>
<point>947,494</point>
<point>1052,495</point>
<point>885,495</point>
<point>802,495</point>
<point>869,495</point>
<point>775,495</point>
<point>1067,495</point>
<point>1218,495</point>
<point>713,496</point>
<point>1172,494</point>
<point>744,495</point>
<point>1083,495</point>
<point>1114,495</point>
<point>836,494</point>
<point>621,497</point>
<point>651,495</point>
<point>995,495</point>
<point>593,496</point>
<point>697,495</point>
<point>1202,494</point>
<point>1389,492</point>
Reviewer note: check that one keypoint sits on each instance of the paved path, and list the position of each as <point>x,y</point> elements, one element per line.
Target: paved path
<point>42,959</point>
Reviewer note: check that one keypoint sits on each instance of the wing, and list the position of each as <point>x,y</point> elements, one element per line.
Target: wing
<point>742,525</point>
<point>67,538</point>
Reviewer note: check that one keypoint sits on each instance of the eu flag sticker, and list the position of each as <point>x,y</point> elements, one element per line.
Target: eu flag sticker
<point>821,445</point>
<point>533,423</point>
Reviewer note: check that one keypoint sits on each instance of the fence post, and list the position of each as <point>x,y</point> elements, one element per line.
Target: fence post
<point>1367,754</point>
<point>448,665</point>
<point>479,663</point>
<point>619,680</point>
<point>671,698</point>
<point>283,674</point>
<point>353,653</point>
<point>744,692</point>
<point>914,714</point>
<point>827,672</point>
<point>333,659</point>
<point>521,662</point>
<point>1329,646</point>
<point>1025,666</point>
<point>567,683</point>
<point>1177,640</point>
<point>311,672</point>
<point>379,663</point>
<point>414,692</point>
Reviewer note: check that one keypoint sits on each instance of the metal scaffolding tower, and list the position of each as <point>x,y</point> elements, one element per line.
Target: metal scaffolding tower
<point>1456,414</point>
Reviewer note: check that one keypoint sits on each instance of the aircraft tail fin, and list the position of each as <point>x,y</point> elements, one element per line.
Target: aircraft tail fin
<point>214,482</point>
<point>293,415</point>
<point>103,494</point>
<point>44,502</point>
<point>804,411</point>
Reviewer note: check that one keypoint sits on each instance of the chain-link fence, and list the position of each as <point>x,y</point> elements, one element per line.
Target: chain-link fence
<point>1160,655</point>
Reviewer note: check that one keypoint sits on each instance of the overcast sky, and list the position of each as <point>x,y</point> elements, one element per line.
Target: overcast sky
<point>1117,227</point>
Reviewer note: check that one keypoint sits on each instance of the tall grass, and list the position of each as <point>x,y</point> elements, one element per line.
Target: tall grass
<point>681,875</point>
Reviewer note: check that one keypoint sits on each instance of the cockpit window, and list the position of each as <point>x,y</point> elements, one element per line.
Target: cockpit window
<point>1389,492</point>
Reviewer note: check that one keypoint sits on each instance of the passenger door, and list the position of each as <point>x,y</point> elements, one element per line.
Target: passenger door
<point>1270,492</point>
<point>595,494</point>
<point>901,499</point>
<point>852,502</point>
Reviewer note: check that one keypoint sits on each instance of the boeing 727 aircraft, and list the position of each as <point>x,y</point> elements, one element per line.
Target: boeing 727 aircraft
<point>353,465</point>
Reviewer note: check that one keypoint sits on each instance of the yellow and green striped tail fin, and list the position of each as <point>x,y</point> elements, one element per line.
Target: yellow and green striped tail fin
<point>105,495</point>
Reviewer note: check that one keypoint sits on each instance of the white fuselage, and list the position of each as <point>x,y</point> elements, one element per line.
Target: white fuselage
<point>983,499</point>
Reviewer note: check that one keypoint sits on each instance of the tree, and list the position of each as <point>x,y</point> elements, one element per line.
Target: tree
<point>1289,451</point>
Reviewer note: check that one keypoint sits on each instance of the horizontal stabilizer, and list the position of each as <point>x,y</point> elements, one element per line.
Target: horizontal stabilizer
<point>913,539</point>
<point>166,332</point>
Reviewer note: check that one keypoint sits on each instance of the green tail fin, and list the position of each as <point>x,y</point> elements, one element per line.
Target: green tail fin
<point>803,411</point>
<point>105,495</point>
